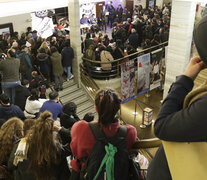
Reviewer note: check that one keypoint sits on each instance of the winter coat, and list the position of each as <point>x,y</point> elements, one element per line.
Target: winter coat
<point>134,40</point>
<point>7,112</point>
<point>67,56</point>
<point>44,64</point>
<point>106,57</point>
<point>25,62</point>
<point>10,69</point>
<point>57,67</point>
<point>21,94</point>
<point>176,124</point>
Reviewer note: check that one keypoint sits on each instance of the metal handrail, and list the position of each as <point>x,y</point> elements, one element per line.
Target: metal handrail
<point>125,57</point>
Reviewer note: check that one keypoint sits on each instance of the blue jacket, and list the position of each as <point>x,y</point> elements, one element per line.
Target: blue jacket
<point>53,107</point>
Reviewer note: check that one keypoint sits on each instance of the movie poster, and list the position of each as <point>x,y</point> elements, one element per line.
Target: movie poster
<point>156,66</point>
<point>143,80</point>
<point>127,81</point>
<point>42,23</point>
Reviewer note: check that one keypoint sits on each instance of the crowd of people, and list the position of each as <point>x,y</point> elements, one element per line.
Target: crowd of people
<point>142,28</point>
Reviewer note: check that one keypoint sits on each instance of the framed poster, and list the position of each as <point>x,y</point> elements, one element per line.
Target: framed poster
<point>6,30</point>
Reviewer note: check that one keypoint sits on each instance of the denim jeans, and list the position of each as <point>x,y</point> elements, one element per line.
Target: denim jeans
<point>9,89</point>
<point>68,71</point>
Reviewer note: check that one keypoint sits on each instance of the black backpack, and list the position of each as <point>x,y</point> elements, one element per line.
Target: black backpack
<point>124,167</point>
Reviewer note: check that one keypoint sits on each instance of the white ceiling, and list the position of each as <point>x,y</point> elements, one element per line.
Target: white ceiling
<point>15,7</point>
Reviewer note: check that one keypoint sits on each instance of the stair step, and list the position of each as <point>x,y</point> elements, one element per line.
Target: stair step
<point>89,109</point>
<point>74,96</point>
<point>83,106</point>
<point>67,84</point>
<point>68,90</point>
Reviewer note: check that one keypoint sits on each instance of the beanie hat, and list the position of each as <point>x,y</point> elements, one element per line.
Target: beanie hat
<point>200,38</point>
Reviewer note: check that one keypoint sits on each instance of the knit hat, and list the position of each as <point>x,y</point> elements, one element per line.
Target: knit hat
<point>200,38</point>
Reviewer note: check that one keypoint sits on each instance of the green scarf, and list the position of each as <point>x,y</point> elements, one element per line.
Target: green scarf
<point>109,161</point>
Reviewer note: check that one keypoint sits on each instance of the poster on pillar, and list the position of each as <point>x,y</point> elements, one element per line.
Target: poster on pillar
<point>156,67</point>
<point>143,80</point>
<point>42,22</point>
<point>88,9</point>
<point>127,81</point>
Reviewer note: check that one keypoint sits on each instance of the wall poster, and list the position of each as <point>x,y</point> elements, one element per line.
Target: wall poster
<point>156,66</point>
<point>143,80</point>
<point>127,81</point>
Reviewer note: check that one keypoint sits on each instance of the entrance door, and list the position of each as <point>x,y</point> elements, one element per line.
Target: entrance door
<point>130,5</point>
<point>99,6</point>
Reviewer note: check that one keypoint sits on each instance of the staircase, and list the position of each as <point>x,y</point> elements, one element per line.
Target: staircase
<point>71,93</point>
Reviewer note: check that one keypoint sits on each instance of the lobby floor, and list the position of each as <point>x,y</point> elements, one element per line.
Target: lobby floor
<point>127,110</point>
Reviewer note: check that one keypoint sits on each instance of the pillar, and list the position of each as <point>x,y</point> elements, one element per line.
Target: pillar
<point>75,37</point>
<point>181,34</point>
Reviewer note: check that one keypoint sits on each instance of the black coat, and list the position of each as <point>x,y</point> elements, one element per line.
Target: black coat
<point>134,40</point>
<point>67,56</point>
<point>44,64</point>
<point>21,96</point>
<point>176,124</point>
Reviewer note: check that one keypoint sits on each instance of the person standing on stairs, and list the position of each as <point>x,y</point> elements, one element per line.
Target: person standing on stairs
<point>67,57</point>
<point>57,68</point>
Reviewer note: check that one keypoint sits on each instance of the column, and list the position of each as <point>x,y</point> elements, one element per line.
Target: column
<point>181,34</point>
<point>75,37</point>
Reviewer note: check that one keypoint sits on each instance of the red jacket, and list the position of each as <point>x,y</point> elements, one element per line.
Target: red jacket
<point>83,139</point>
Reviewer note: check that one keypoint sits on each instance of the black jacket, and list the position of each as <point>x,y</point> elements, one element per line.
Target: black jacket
<point>134,40</point>
<point>176,124</point>
<point>21,96</point>
<point>44,64</point>
<point>67,56</point>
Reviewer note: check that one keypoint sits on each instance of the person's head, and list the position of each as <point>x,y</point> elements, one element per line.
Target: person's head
<point>53,96</point>
<point>24,48</point>
<point>29,29</point>
<point>107,102</point>
<point>10,132</point>
<point>34,32</point>
<point>200,38</point>
<point>11,53</point>
<point>28,124</point>
<point>67,43</point>
<point>88,117</point>
<point>34,95</point>
<point>70,108</point>
<point>83,16</point>
<point>43,149</point>
<point>25,83</point>
<point>133,30</point>
<point>53,49</point>
<point>4,99</point>
<point>88,35</point>
<point>42,50</point>
<point>34,74</point>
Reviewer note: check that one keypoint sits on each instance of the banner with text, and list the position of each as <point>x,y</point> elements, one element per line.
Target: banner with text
<point>143,80</point>
<point>156,65</point>
<point>127,81</point>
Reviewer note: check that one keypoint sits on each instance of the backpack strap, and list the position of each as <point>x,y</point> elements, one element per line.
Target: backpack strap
<point>99,133</point>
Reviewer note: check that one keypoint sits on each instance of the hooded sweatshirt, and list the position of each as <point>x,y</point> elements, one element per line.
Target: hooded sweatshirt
<point>7,112</point>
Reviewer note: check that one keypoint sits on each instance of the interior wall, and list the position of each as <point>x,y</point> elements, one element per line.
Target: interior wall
<point>115,3</point>
<point>20,22</point>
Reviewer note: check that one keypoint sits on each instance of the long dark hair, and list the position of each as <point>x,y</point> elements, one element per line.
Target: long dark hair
<point>107,103</point>
<point>43,150</point>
